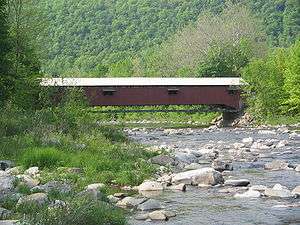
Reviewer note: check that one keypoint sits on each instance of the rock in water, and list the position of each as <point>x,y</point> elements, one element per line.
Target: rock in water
<point>296,191</point>
<point>237,183</point>
<point>150,186</point>
<point>221,166</point>
<point>277,165</point>
<point>150,204</point>
<point>278,191</point>
<point>207,176</point>
<point>248,194</point>
<point>130,202</point>
<point>158,215</point>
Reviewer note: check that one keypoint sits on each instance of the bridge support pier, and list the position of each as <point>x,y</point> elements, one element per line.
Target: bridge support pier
<point>229,117</point>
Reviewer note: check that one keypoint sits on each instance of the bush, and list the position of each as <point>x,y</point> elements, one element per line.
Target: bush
<point>44,157</point>
<point>79,212</point>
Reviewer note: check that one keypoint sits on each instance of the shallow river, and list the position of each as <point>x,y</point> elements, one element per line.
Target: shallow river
<point>207,205</point>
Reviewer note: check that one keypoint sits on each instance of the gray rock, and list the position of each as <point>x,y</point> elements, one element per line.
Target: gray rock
<point>297,169</point>
<point>92,194</point>
<point>193,166</point>
<point>53,186</point>
<point>187,158</point>
<point>150,186</point>
<point>112,199</point>
<point>221,166</point>
<point>149,205</point>
<point>130,202</point>
<point>143,216</point>
<point>296,191</point>
<point>158,215</point>
<point>6,164</point>
<point>32,171</point>
<point>162,160</point>
<point>4,213</point>
<point>37,198</point>
<point>207,176</point>
<point>237,183</point>
<point>28,181</point>
<point>277,165</point>
<point>6,182</point>
<point>178,187</point>
<point>96,186</point>
<point>278,191</point>
<point>260,188</point>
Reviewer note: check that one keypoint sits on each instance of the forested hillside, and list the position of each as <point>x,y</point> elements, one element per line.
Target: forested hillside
<point>89,36</point>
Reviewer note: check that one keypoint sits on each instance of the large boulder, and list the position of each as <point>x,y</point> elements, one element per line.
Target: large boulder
<point>150,186</point>
<point>278,191</point>
<point>34,199</point>
<point>277,165</point>
<point>207,176</point>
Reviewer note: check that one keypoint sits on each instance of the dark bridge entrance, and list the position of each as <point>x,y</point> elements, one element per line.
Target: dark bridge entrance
<point>221,94</point>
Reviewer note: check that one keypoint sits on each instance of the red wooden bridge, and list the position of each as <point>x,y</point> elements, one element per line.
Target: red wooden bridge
<point>224,93</point>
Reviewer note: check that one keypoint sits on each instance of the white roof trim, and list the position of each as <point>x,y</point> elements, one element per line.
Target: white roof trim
<point>142,81</point>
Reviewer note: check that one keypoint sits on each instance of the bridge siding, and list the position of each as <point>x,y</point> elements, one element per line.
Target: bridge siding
<point>158,95</point>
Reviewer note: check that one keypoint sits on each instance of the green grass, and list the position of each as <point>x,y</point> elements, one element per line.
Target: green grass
<point>78,212</point>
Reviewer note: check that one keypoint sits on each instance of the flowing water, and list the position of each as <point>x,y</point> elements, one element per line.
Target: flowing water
<point>207,205</point>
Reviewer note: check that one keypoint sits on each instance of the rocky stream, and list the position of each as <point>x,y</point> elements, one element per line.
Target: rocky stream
<point>221,176</point>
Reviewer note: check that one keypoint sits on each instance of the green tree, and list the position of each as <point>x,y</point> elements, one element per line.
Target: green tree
<point>6,80</point>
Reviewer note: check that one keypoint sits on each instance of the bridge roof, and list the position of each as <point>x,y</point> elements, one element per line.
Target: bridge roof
<point>142,81</point>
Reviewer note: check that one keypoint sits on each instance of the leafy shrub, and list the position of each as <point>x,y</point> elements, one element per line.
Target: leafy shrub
<point>43,157</point>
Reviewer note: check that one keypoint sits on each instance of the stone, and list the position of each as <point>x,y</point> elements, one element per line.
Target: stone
<point>260,188</point>
<point>28,181</point>
<point>277,165</point>
<point>165,178</point>
<point>169,214</point>
<point>282,144</point>
<point>248,194</point>
<point>178,187</point>
<point>120,195</point>
<point>296,191</point>
<point>149,205</point>
<point>259,146</point>
<point>158,215</point>
<point>14,171</point>
<point>37,198</point>
<point>6,164</point>
<point>32,171</point>
<point>278,191</point>
<point>130,202</point>
<point>187,158</point>
<point>193,166</point>
<point>112,199</point>
<point>54,186</point>
<point>93,194</point>
<point>297,169</point>
<point>9,222</point>
<point>221,166</point>
<point>237,183</point>
<point>6,182</point>
<point>162,160</point>
<point>248,141</point>
<point>96,186</point>
<point>266,132</point>
<point>143,216</point>
<point>150,186</point>
<point>200,176</point>
<point>4,213</point>
<point>238,145</point>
